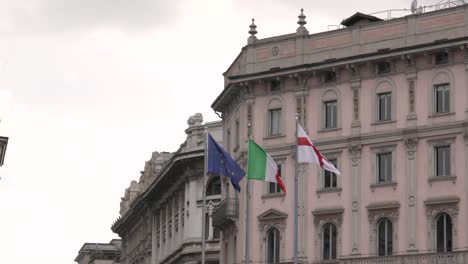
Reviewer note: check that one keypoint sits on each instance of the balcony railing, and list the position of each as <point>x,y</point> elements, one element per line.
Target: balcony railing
<point>456,257</point>
<point>225,213</point>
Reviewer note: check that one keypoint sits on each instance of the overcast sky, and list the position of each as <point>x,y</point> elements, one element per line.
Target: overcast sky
<point>89,88</point>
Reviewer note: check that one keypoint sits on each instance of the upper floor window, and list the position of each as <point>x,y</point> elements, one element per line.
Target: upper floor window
<point>441,57</point>
<point>384,106</point>
<point>273,246</point>
<point>384,167</point>
<point>214,187</point>
<point>442,160</point>
<point>383,67</point>
<point>329,236</point>
<point>329,76</point>
<point>329,178</point>
<point>442,98</point>
<point>443,233</point>
<point>274,124</point>
<point>274,187</point>
<point>330,114</point>
<point>385,237</point>
<point>275,85</point>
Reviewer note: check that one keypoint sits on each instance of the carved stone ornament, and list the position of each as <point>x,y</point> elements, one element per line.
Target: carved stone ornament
<point>355,151</point>
<point>275,50</point>
<point>411,144</point>
<point>356,103</point>
<point>411,95</point>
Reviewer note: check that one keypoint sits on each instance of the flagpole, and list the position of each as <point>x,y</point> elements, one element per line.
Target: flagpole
<point>204,198</point>
<point>296,196</point>
<point>247,213</point>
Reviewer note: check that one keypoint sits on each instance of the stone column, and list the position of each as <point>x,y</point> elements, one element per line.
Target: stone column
<point>355,153</point>
<point>411,147</point>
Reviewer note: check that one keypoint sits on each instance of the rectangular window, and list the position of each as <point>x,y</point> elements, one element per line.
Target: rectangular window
<point>274,122</point>
<point>442,98</point>
<point>383,67</point>
<point>384,105</point>
<point>275,85</point>
<point>329,178</point>
<point>329,77</point>
<point>442,161</point>
<point>330,109</point>
<point>441,57</point>
<point>274,187</point>
<point>384,167</point>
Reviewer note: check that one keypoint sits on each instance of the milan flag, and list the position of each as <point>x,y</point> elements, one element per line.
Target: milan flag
<point>308,153</point>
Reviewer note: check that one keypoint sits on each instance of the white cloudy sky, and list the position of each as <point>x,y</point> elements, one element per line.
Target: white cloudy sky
<point>89,88</point>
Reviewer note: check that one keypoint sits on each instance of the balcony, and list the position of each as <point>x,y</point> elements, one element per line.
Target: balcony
<point>456,257</point>
<point>226,213</point>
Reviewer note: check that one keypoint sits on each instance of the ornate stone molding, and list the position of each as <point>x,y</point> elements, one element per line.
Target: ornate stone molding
<point>323,216</point>
<point>437,205</point>
<point>411,145</point>
<point>355,152</point>
<point>378,211</point>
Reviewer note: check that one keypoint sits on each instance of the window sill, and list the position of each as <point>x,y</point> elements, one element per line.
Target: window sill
<point>274,137</point>
<point>273,195</point>
<point>334,261</point>
<point>377,122</point>
<point>451,178</point>
<point>441,114</point>
<point>383,185</point>
<point>324,130</point>
<point>329,190</point>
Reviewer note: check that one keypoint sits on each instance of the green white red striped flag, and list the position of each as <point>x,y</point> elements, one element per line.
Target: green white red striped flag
<point>262,167</point>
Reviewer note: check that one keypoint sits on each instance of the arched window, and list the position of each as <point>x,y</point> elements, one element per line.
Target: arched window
<point>330,110</point>
<point>214,187</point>
<point>275,117</point>
<point>273,246</point>
<point>443,234</point>
<point>385,237</point>
<point>329,241</point>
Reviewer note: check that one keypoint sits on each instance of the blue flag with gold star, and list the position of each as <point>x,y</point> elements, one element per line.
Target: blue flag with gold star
<point>220,162</point>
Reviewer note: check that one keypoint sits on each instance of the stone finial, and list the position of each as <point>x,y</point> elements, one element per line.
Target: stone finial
<point>195,120</point>
<point>252,32</point>
<point>302,17</point>
<point>301,30</point>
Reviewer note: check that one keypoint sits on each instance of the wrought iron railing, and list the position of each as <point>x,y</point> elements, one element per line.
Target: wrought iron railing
<point>225,213</point>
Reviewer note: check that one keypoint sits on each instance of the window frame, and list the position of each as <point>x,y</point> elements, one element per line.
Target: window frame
<point>276,257</point>
<point>383,149</point>
<point>334,115</point>
<point>445,59</point>
<point>274,185</point>
<point>445,100</point>
<point>387,178</point>
<point>389,107</point>
<point>445,242</point>
<point>271,131</point>
<point>333,248</point>
<point>433,144</point>
<point>388,250</point>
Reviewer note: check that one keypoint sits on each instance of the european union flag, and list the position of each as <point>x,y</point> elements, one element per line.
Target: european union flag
<point>220,162</point>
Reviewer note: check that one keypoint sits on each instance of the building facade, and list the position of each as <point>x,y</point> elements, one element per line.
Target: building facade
<point>387,102</point>
<point>161,214</point>
<point>100,253</point>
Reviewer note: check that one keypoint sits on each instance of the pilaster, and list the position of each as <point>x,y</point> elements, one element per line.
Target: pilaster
<point>411,77</point>
<point>355,87</point>
<point>355,154</point>
<point>411,148</point>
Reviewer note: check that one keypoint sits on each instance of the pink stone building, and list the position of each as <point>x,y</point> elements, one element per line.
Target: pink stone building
<point>387,102</point>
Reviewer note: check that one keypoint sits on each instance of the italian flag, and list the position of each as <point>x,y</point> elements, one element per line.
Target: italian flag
<point>262,167</point>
